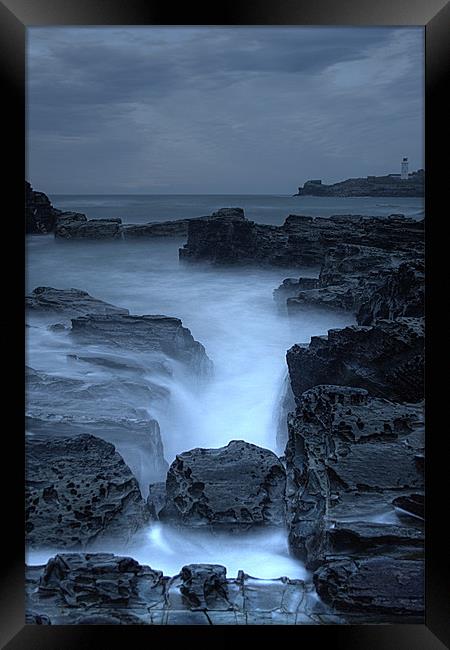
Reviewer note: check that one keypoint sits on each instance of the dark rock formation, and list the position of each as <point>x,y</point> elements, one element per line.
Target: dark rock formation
<point>300,241</point>
<point>176,228</point>
<point>79,491</point>
<point>370,282</point>
<point>389,185</point>
<point>290,287</point>
<point>156,499</point>
<point>40,215</point>
<point>161,334</point>
<point>350,461</point>
<point>67,302</point>
<point>73,225</point>
<point>101,588</point>
<point>348,457</point>
<point>386,358</point>
<point>237,486</point>
<point>374,586</point>
<point>401,294</point>
<point>114,409</point>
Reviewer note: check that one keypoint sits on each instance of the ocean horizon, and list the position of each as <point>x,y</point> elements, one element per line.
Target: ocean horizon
<point>262,208</point>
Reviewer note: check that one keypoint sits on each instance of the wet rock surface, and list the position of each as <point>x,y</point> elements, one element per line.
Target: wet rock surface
<point>386,358</point>
<point>300,241</point>
<point>74,225</point>
<point>240,485</point>
<point>79,491</point>
<point>160,334</point>
<point>350,460</point>
<point>101,588</point>
<point>68,303</point>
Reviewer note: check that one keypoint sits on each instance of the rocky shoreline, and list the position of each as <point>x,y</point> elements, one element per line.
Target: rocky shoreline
<point>349,489</point>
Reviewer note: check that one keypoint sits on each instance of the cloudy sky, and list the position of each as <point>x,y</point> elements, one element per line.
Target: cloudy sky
<point>220,110</point>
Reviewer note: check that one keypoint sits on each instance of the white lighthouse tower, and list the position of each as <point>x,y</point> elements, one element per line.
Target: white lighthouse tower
<point>404,174</point>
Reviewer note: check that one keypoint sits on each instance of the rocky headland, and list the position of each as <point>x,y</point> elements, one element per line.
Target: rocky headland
<point>349,488</point>
<point>388,185</point>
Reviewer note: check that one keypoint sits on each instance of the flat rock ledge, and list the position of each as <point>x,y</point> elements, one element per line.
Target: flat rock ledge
<point>104,589</point>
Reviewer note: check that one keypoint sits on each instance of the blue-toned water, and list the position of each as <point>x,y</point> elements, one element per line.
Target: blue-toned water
<point>263,208</point>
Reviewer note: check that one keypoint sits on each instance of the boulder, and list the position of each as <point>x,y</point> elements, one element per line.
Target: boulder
<point>40,215</point>
<point>386,358</point>
<point>236,487</point>
<point>79,491</point>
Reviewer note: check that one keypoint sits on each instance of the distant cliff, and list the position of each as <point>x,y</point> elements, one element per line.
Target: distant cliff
<point>390,185</point>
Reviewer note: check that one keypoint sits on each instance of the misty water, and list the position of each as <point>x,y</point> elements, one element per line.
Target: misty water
<point>233,314</point>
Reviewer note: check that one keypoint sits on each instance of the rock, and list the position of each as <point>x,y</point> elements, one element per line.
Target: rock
<point>101,588</point>
<point>381,586</point>
<point>368,281</point>
<point>157,334</point>
<point>230,214</point>
<point>388,185</point>
<point>401,294</point>
<point>40,215</point>
<point>68,223</point>
<point>290,287</point>
<point>77,226</point>
<point>300,241</point>
<point>348,456</point>
<point>386,358</point>
<point>237,486</point>
<point>412,505</point>
<point>205,587</point>
<point>176,228</point>
<point>79,491</point>
<point>114,409</point>
<point>156,499</point>
<point>67,302</point>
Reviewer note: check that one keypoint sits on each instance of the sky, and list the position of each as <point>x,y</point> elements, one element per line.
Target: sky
<point>207,110</point>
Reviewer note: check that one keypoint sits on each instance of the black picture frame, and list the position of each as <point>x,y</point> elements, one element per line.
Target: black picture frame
<point>15,17</point>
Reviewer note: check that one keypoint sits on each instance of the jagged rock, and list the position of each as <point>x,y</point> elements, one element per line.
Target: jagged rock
<point>387,185</point>
<point>380,585</point>
<point>290,287</point>
<point>79,491</point>
<point>386,358</point>
<point>32,618</point>
<point>348,456</point>
<point>368,281</point>
<point>300,241</point>
<point>237,486</point>
<point>68,303</point>
<point>160,334</point>
<point>205,586</point>
<point>100,588</point>
<point>40,215</point>
<point>228,214</point>
<point>114,409</point>
<point>401,294</point>
<point>73,226</point>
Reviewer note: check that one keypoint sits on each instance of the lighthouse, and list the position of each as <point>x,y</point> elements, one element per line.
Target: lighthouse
<point>404,174</point>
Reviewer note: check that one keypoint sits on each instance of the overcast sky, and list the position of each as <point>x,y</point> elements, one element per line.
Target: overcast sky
<point>220,110</point>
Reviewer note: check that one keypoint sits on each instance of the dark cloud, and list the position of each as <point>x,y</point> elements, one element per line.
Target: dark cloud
<point>220,110</point>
